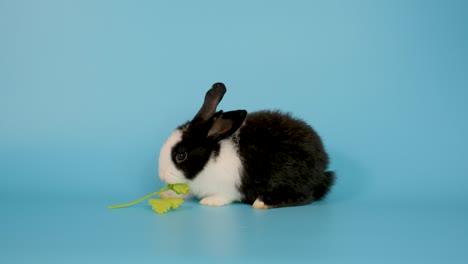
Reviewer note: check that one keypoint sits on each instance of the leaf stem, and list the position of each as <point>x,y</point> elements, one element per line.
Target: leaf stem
<point>138,200</point>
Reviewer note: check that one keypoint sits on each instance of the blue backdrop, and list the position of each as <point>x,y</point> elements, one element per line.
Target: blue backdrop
<point>89,91</point>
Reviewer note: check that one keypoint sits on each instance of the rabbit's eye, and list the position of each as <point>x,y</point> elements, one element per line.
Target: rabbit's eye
<point>181,156</point>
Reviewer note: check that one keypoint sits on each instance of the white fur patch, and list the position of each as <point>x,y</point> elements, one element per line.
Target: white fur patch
<point>259,204</point>
<point>167,170</point>
<point>221,175</point>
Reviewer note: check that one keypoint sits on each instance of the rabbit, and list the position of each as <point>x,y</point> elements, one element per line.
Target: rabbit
<point>267,159</point>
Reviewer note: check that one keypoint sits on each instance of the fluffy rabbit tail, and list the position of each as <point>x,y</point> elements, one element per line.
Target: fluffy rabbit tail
<point>323,188</point>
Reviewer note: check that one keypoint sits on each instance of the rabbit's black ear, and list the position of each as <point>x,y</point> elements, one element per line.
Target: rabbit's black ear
<point>212,99</point>
<point>225,124</point>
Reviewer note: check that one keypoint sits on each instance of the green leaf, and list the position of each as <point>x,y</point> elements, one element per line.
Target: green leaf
<point>179,188</point>
<point>164,205</point>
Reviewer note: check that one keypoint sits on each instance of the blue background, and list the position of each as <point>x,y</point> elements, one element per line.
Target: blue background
<point>89,91</point>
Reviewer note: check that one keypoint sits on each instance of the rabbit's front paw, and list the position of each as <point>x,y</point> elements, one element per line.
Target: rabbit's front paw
<point>215,200</point>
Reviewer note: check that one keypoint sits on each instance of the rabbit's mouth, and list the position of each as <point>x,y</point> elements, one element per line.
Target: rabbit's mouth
<point>170,177</point>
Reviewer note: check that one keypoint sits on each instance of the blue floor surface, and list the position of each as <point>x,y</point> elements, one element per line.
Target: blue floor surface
<point>72,231</point>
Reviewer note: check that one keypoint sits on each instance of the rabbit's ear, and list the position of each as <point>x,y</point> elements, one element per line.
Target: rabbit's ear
<point>225,124</point>
<point>212,99</point>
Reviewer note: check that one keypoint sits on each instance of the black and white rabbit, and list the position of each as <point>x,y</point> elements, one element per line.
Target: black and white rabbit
<point>267,159</point>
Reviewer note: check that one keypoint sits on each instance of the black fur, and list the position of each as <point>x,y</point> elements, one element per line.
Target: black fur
<point>284,160</point>
<point>198,155</point>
